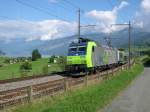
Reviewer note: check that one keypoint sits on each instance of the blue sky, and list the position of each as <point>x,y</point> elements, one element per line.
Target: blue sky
<point>14,16</point>
<point>13,10</point>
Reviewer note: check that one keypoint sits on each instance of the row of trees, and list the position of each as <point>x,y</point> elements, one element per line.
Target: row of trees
<point>35,56</point>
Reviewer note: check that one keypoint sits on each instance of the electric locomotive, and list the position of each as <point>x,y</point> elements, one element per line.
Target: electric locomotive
<point>87,55</point>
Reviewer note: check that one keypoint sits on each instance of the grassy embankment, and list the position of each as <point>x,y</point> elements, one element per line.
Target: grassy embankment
<point>88,99</point>
<point>8,71</point>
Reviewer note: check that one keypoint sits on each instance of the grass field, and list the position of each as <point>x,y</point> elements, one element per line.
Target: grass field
<point>88,99</point>
<point>12,70</point>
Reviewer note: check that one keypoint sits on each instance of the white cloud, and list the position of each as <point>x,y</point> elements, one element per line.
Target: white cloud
<point>142,16</point>
<point>145,5</point>
<point>122,5</point>
<point>29,30</point>
<point>106,18</point>
<point>53,29</point>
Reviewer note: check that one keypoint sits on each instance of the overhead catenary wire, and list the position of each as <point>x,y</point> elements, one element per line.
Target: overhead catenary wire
<point>40,9</point>
<point>73,5</point>
<point>76,7</point>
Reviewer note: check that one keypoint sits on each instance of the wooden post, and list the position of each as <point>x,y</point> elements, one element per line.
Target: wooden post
<point>122,67</point>
<point>112,71</point>
<point>86,80</point>
<point>66,85</point>
<point>126,67</point>
<point>107,76</point>
<point>30,93</point>
<point>99,75</point>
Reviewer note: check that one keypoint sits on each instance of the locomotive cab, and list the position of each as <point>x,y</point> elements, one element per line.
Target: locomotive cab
<point>76,59</point>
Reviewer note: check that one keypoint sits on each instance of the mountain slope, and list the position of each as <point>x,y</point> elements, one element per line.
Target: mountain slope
<point>20,47</point>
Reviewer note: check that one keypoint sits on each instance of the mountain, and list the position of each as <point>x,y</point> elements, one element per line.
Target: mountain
<point>21,47</point>
<point>2,53</point>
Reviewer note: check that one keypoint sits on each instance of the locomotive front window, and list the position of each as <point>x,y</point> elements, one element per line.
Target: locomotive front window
<point>73,49</point>
<point>82,49</point>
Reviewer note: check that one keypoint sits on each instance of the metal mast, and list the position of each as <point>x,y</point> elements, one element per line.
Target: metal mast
<point>78,23</point>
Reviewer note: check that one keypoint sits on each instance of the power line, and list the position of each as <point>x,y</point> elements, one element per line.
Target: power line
<point>75,6</point>
<point>39,9</point>
<point>129,41</point>
<point>66,8</point>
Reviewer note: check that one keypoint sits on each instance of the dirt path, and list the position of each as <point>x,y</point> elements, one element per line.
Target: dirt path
<point>136,98</point>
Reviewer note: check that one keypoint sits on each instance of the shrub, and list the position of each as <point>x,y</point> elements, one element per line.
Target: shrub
<point>7,60</point>
<point>61,61</point>
<point>26,66</point>
<point>51,59</point>
<point>1,65</point>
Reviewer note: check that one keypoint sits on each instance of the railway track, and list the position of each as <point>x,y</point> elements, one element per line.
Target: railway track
<point>24,90</point>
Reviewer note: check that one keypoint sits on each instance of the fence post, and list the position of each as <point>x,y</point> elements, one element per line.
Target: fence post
<point>122,67</point>
<point>30,93</point>
<point>66,85</point>
<point>99,75</point>
<point>112,71</point>
<point>126,67</point>
<point>86,80</point>
<point>107,76</point>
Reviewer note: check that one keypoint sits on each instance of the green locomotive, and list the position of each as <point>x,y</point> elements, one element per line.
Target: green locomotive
<point>87,55</point>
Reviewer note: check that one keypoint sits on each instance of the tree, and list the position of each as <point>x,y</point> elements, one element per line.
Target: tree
<point>35,55</point>
<point>26,66</point>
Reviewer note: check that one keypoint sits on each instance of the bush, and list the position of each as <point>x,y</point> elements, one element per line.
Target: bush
<point>51,59</point>
<point>146,61</point>
<point>35,55</point>
<point>7,61</point>
<point>1,65</point>
<point>26,66</point>
<point>61,61</point>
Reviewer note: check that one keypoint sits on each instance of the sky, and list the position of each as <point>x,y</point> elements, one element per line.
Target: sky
<point>52,19</point>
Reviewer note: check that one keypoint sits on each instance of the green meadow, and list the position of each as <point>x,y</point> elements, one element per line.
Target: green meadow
<point>8,71</point>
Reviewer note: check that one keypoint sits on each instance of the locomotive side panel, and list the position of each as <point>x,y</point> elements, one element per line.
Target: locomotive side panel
<point>97,56</point>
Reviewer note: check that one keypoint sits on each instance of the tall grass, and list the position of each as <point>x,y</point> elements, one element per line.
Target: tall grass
<point>88,99</point>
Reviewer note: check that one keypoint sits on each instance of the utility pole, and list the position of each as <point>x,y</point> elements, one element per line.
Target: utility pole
<point>78,23</point>
<point>129,41</point>
<point>129,45</point>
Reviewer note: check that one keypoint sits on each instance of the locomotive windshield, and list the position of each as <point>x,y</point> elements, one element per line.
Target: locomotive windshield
<point>73,49</point>
<point>82,49</point>
<point>78,50</point>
